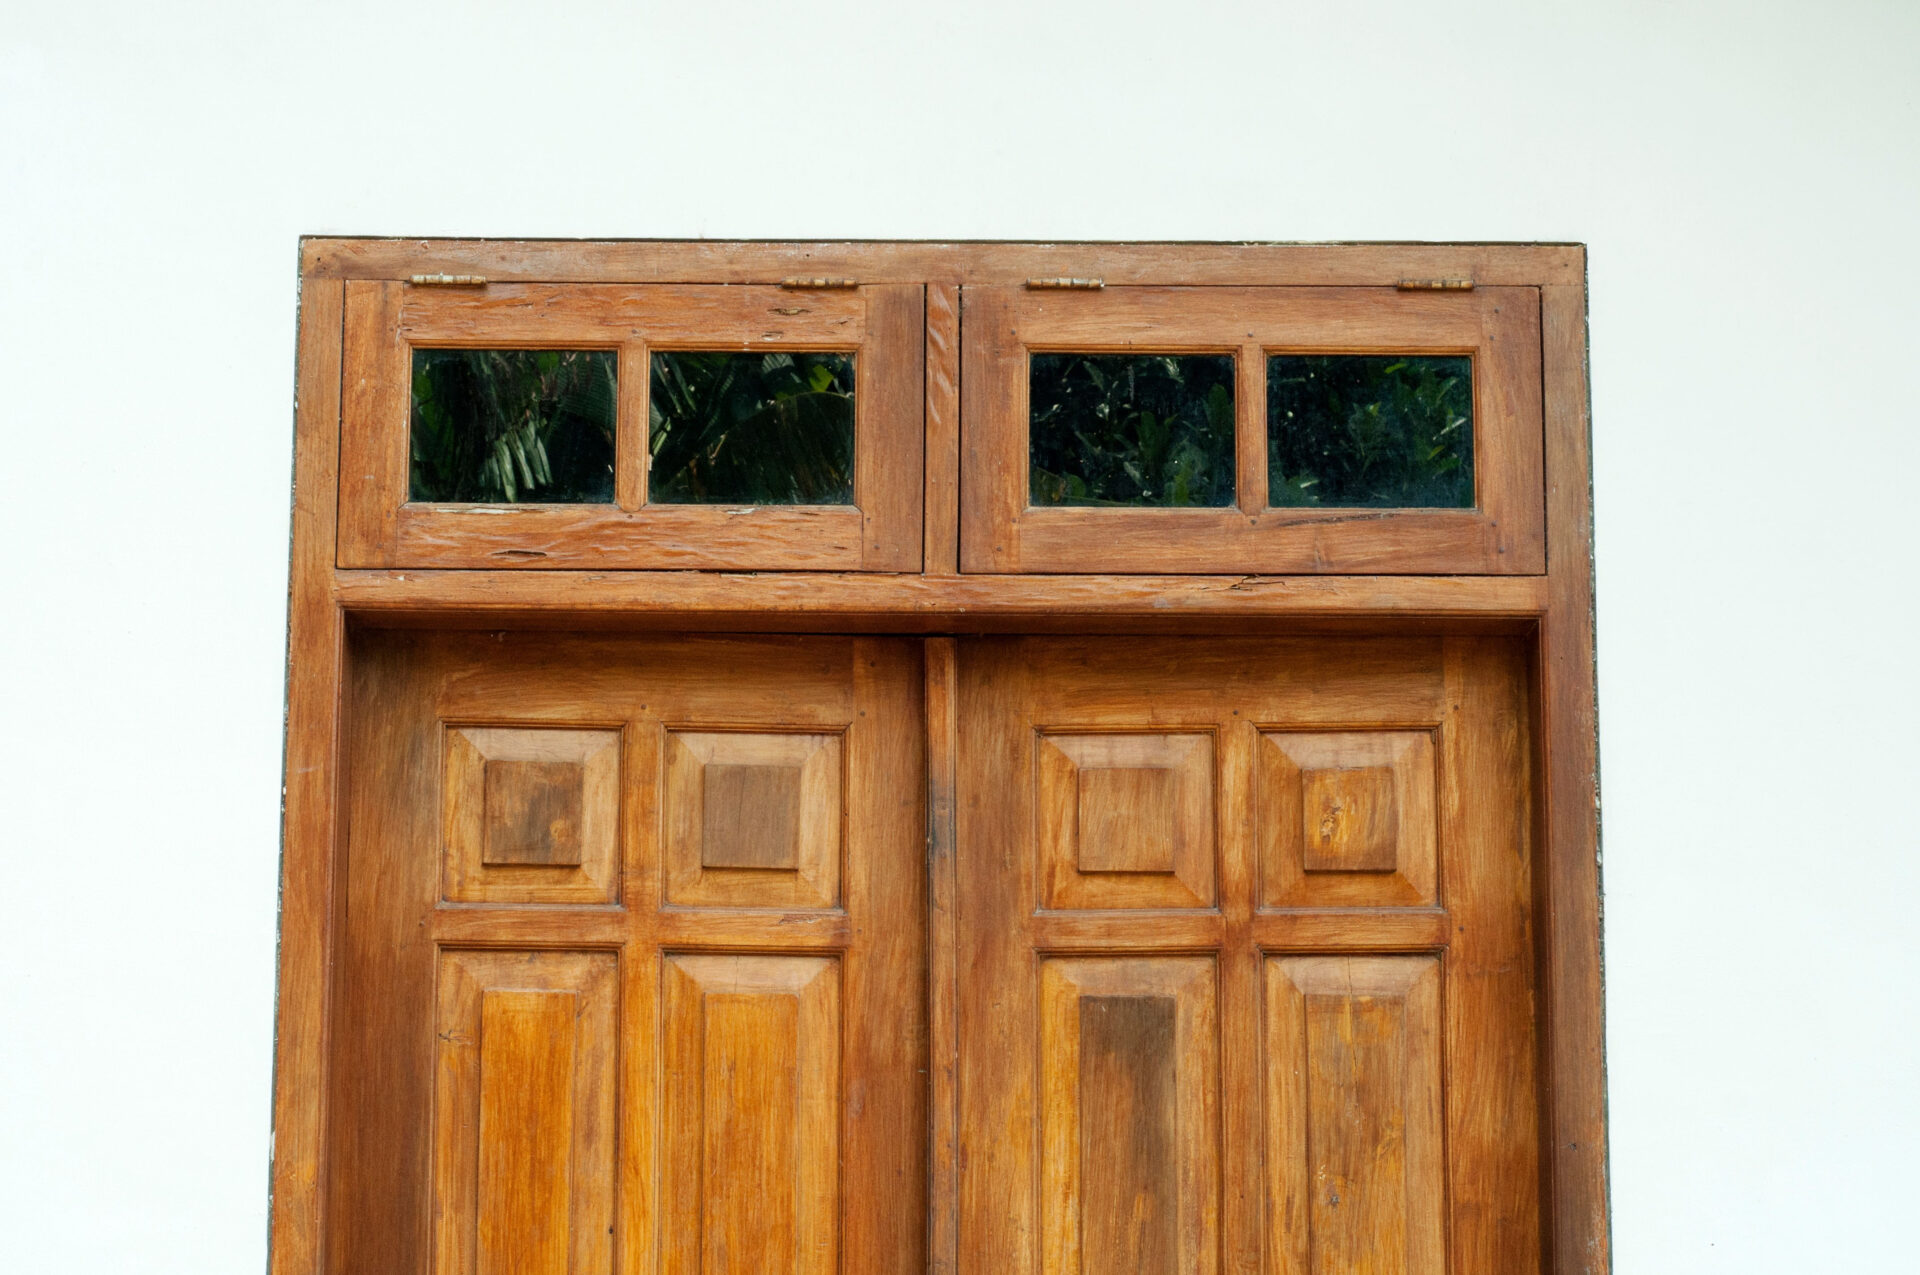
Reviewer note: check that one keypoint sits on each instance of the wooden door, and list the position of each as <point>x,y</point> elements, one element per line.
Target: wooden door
<point>1246,966</point>
<point>633,963</point>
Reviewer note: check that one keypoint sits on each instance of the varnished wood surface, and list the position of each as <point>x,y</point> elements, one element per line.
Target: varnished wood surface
<point>1552,614</point>
<point>941,661</point>
<point>1333,1107</point>
<point>1003,263</point>
<point>879,531</point>
<point>1569,751</point>
<point>1001,531</point>
<point>691,1074</point>
<point>316,644</point>
<point>942,516</point>
<point>909,603</point>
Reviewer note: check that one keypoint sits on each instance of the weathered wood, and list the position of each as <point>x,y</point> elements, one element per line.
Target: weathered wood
<point>486,1129</point>
<point>347,1177</point>
<point>1576,1161</point>
<point>1001,531</point>
<point>943,430</point>
<point>1003,264</point>
<point>931,603</point>
<point>943,974</point>
<point>316,642</point>
<point>879,531</point>
<point>1375,1159</point>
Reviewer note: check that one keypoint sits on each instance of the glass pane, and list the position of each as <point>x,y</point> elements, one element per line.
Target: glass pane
<point>513,425</point>
<point>751,429</point>
<point>1130,429</point>
<point>1370,430</point>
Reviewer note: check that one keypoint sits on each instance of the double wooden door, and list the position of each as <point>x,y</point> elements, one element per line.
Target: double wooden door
<point>636,966</point>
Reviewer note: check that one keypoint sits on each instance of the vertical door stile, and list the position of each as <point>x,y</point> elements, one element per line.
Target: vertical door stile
<point>942,714</point>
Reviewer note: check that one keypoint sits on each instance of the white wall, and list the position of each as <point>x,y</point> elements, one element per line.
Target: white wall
<point>1745,175</point>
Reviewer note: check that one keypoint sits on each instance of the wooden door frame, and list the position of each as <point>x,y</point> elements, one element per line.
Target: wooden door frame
<point>1553,609</point>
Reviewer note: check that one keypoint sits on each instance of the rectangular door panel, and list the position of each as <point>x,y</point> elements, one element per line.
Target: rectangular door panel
<point>523,1112</point>
<point>1354,1157</point>
<point>1129,1070</point>
<point>750,1116</point>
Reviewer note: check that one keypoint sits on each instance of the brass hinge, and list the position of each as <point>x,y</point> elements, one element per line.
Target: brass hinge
<point>448,281</point>
<point>819,282</point>
<point>1087,285</point>
<point>1435,285</point>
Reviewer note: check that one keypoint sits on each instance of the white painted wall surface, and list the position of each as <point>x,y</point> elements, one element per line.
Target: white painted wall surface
<point>1748,179</point>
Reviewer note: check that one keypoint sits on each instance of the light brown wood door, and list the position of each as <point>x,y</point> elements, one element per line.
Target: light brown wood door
<point>1246,967</point>
<point>633,963</point>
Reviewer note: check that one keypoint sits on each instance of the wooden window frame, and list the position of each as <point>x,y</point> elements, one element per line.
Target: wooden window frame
<point>1553,609</point>
<point>880,326</point>
<point>1504,533</point>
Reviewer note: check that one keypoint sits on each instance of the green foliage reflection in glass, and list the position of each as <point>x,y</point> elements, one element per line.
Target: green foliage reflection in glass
<point>513,425</point>
<point>1130,429</point>
<point>760,429</point>
<point>1370,431</point>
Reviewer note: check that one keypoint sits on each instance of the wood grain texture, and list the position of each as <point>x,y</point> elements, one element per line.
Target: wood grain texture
<point>1005,264</point>
<point>1569,751</point>
<point>1130,1093</point>
<point>566,781</point>
<point>811,1023</point>
<point>524,1102</point>
<point>1346,818</point>
<point>1500,327</point>
<point>940,656</point>
<point>316,644</point>
<point>881,531</point>
<point>1126,820</point>
<point>1486,852</point>
<point>751,1115</point>
<point>753,819</point>
<point>902,602</point>
<point>1421,1169</point>
<point>347,1165</point>
<point>942,552</point>
<point>1355,1151</point>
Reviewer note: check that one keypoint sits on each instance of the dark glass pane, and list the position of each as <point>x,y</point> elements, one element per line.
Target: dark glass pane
<point>751,429</point>
<point>1130,429</point>
<point>513,425</point>
<point>1370,430</point>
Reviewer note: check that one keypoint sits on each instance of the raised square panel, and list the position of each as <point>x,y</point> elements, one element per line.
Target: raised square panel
<point>534,811</point>
<point>524,1123</point>
<point>532,815</point>
<point>1349,820</point>
<point>753,820</point>
<point>1130,1161</point>
<point>1346,818</point>
<point>1354,1161</point>
<point>1126,821</point>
